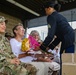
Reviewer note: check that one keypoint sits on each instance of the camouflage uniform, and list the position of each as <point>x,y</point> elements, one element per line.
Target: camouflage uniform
<point>6,68</point>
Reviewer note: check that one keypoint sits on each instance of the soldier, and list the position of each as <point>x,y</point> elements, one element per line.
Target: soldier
<point>9,64</point>
<point>8,35</point>
<point>58,26</point>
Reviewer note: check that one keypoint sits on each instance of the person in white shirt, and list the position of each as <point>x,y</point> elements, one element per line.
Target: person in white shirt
<point>56,53</point>
<point>16,42</point>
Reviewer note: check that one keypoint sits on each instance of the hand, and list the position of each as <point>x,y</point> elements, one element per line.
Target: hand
<point>47,48</point>
<point>48,60</point>
<point>40,58</point>
<point>15,61</point>
<point>37,48</point>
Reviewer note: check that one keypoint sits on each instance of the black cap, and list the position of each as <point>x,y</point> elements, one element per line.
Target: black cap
<point>52,4</point>
<point>49,4</point>
<point>7,34</point>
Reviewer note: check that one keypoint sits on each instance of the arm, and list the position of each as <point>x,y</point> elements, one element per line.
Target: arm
<point>54,43</point>
<point>14,47</point>
<point>21,55</point>
<point>6,52</point>
<point>46,59</point>
<point>51,32</point>
<point>24,55</point>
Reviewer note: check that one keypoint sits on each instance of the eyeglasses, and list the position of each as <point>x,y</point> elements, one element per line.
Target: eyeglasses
<point>20,28</point>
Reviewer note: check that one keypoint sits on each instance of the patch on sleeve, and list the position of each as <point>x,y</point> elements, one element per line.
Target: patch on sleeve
<point>49,26</point>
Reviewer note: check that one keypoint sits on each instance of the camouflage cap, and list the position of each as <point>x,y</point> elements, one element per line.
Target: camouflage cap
<point>2,19</point>
<point>8,34</point>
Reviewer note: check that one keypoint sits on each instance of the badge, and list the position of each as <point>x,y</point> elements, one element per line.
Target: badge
<point>49,26</point>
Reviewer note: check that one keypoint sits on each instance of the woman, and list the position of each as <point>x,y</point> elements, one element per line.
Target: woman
<point>9,64</point>
<point>16,43</point>
<point>8,35</point>
<point>35,34</point>
<point>35,40</point>
<point>53,55</point>
<point>59,26</point>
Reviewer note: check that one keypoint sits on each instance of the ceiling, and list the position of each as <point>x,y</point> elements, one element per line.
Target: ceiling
<point>34,5</point>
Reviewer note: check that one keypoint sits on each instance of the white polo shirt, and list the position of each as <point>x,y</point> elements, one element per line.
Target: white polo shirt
<point>16,49</point>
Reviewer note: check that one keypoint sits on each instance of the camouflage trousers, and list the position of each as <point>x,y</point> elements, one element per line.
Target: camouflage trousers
<point>22,69</point>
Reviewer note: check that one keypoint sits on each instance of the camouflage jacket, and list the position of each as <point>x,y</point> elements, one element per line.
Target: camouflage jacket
<point>6,68</point>
<point>5,48</point>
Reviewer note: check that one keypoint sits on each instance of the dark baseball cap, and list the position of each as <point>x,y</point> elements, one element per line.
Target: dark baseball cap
<point>52,4</point>
<point>2,19</point>
<point>49,4</point>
